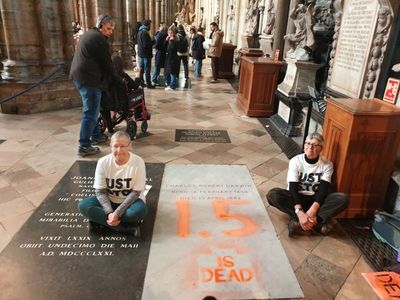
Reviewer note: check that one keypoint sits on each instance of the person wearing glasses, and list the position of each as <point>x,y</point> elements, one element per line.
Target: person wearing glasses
<point>308,200</point>
<point>119,183</point>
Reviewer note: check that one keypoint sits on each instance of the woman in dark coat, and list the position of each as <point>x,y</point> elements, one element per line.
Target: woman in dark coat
<point>198,51</point>
<point>161,50</point>
<point>172,62</point>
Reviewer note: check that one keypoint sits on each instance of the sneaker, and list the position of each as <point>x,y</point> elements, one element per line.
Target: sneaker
<point>100,140</point>
<point>293,228</point>
<point>168,88</point>
<point>85,151</point>
<point>155,83</point>
<point>214,81</point>
<point>150,86</point>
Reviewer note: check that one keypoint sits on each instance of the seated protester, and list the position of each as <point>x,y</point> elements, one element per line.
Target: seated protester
<point>120,181</point>
<point>308,202</point>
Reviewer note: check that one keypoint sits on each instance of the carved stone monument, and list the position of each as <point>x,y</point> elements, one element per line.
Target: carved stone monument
<point>360,41</point>
<point>250,37</point>
<point>266,39</point>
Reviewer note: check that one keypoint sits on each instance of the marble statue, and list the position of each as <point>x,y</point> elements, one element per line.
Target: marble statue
<point>301,41</point>
<point>269,27</point>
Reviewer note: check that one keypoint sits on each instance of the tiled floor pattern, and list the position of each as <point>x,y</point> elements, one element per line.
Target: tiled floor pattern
<point>39,149</point>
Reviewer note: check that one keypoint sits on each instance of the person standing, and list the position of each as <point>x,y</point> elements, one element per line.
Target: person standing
<point>145,52</point>
<point>119,183</point>
<point>215,49</point>
<point>308,200</point>
<point>183,52</point>
<point>172,62</point>
<point>192,33</point>
<point>91,72</point>
<point>198,51</point>
<point>161,50</point>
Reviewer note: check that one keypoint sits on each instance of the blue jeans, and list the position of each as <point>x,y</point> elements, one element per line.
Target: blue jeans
<point>198,63</point>
<point>156,73</point>
<point>91,208</point>
<point>91,98</point>
<point>171,80</point>
<point>145,67</point>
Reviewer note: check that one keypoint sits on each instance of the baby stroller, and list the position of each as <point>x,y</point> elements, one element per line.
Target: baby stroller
<point>117,106</point>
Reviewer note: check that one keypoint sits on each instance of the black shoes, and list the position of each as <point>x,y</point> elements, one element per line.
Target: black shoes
<point>150,86</point>
<point>85,151</point>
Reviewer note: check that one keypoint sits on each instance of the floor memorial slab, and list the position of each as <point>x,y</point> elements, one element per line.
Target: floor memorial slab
<point>213,237</point>
<point>201,136</point>
<point>53,256</point>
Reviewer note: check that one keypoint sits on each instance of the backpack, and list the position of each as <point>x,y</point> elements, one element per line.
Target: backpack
<point>386,228</point>
<point>183,44</point>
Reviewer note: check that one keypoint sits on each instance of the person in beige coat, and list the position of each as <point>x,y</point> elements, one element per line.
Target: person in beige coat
<point>215,49</point>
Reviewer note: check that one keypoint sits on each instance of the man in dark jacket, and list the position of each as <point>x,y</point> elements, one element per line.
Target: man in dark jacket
<point>145,52</point>
<point>91,71</point>
<point>161,50</point>
<point>198,52</point>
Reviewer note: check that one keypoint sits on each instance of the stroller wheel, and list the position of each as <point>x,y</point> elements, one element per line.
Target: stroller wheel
<point>131,129</point>
<point>144,126</point>
<point>102,124</point>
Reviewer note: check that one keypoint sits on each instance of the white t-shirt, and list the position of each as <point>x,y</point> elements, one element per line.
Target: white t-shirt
<point>120,180</point>
<point>309,175</point>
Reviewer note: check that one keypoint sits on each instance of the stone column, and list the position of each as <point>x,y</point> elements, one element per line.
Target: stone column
<point>163,10</point>
<point>158,13</point>
<point>146,9</point>
<point>140,10</point>
<point>152,14</point>
<point>22,38</point>
<point>282,12</point>
<point>132,19</point>
<point>55,34</point>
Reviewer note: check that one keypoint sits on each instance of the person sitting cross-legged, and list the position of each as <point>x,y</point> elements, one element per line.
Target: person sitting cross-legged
<point>308,201</point>
<point>119,182</point>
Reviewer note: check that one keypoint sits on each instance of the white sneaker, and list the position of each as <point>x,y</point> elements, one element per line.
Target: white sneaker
<point>169,88</point>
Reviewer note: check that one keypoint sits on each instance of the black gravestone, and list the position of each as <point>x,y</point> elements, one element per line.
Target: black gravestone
<point>54,256</point>
<point>201,136</point>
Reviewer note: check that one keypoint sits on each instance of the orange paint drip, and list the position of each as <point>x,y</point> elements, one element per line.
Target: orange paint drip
<point>221,208</point>
<point>204,234</point>
<point>183,217</point>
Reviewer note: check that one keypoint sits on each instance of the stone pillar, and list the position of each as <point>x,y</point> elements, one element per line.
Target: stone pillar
<point>39,39</point>
<point>152,14</point>
<point>132,19</point>
<point>22,38</point>
<point>55,34</point>
<point>140,10</point>
<point>158,13</point>
<point>87,14</point>
<point>146,9</point>
<point>163,11</point>
<point>282,12</point>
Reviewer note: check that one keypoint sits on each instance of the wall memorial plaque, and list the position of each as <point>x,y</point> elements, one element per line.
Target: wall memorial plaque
<point>53,256</point>
<point>353,46</point>
<point>201,136</point>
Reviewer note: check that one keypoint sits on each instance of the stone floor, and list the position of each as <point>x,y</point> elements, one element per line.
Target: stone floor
<point>37,150</point>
